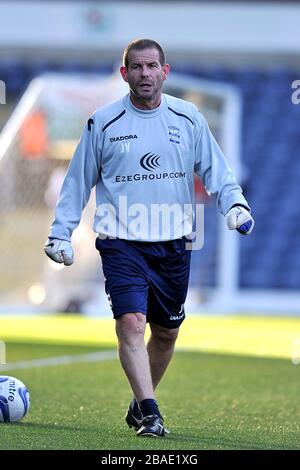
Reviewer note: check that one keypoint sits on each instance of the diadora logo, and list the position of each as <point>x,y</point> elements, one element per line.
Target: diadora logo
<point>174,134</point>
<point>149,161</point>
<point>123,137</point>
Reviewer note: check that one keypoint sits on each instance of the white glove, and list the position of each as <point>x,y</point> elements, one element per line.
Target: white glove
<point>240,219</point>
<point>59,251</point>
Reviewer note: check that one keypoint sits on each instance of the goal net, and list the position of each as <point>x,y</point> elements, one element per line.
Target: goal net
<point>35,149</point>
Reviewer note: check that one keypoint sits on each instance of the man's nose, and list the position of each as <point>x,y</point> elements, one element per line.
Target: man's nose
<point>145,71</point>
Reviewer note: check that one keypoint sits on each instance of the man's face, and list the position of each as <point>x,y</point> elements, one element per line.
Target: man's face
<point>145,74</point>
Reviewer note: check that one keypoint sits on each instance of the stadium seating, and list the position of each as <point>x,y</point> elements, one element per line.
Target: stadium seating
<point>270,258</point>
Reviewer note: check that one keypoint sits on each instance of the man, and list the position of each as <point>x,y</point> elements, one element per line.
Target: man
<point>143,150</point>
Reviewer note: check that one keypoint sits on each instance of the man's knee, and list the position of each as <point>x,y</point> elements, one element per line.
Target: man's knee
<point>130,325</point>
<point>165,336</point>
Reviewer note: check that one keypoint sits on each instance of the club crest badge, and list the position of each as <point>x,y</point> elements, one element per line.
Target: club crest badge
<point>174,134</point>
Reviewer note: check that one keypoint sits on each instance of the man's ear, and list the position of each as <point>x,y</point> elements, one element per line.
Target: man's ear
<point>123,72</point>
<point>166,70</point>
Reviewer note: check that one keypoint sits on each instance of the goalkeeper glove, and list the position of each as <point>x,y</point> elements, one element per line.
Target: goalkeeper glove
<point>59,251</point>
<point>240,219</point>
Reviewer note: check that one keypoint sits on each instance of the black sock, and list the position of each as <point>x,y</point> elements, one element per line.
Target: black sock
<point>149,407</point>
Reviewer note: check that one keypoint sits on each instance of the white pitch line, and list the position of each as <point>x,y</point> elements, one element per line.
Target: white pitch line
<point>60,360</point>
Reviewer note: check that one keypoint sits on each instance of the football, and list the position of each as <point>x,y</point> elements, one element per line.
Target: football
<point>14,399</point>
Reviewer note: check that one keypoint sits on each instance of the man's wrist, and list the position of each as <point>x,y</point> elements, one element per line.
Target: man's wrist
<point>240,205</point>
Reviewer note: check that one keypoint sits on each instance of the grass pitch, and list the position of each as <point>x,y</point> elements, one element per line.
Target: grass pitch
<point>209,401</point>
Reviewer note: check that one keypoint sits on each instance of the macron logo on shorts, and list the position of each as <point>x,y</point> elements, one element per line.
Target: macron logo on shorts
<point>178,317</point>
<point>110,301</point>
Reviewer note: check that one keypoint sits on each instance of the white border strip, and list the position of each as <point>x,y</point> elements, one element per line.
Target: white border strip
<point>60,360</point>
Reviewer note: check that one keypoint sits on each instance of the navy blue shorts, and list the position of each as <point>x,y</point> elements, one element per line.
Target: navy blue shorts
<point>147,277</point>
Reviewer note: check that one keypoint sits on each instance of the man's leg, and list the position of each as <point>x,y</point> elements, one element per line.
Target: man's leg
<point>160,350</point>
<point>130,329</point>
<point>134,359</point>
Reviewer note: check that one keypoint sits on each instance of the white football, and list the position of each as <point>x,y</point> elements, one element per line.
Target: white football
<point>14,399</point>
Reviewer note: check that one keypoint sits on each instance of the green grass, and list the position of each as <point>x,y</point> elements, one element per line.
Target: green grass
<point>23,351</point>
<point>209,401</point>
<point>230,334</point>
